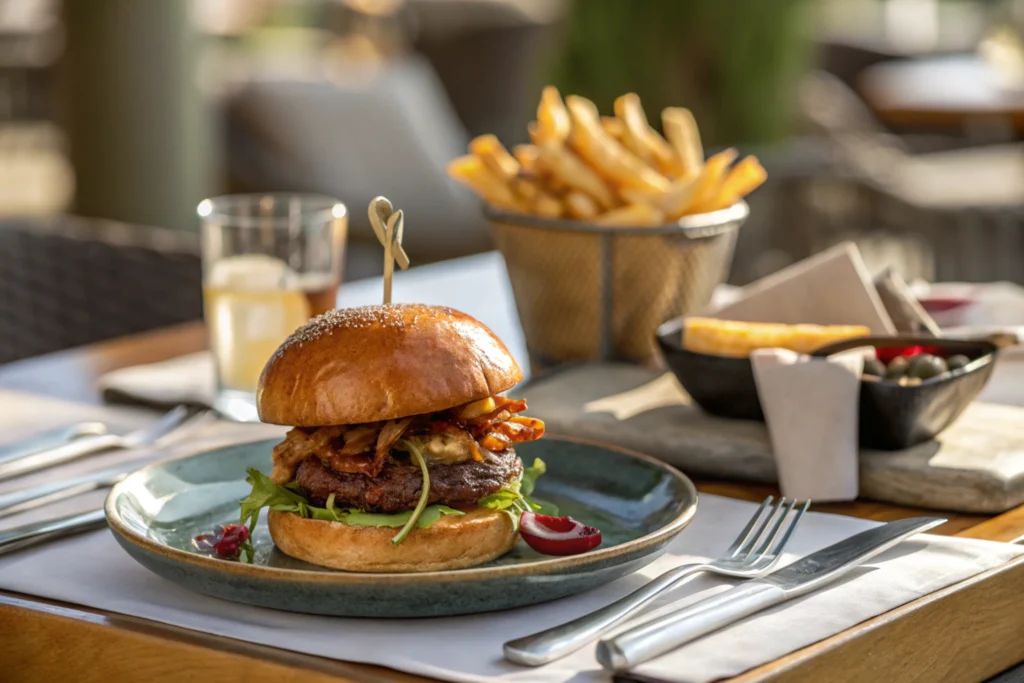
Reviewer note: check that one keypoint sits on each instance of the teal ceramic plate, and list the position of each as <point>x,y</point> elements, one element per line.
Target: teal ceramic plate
<point>639,504</point>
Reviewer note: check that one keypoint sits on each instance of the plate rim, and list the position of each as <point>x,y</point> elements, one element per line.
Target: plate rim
<point>479,573</point>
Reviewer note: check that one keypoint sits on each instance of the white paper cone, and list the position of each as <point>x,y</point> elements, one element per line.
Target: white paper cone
<point>811,406</point>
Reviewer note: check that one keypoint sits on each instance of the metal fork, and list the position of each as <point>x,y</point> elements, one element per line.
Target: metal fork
<point>88,445</point>
<point>33,497</point>
<point>755,551</point>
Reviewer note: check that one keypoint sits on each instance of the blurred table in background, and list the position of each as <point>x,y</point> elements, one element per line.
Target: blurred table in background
<point>954,91</point>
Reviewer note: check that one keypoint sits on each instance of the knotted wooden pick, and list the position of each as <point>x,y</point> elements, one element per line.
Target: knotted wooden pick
<point>388,226</point>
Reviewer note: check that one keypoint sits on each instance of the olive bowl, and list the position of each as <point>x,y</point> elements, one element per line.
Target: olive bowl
<point>894,417</point>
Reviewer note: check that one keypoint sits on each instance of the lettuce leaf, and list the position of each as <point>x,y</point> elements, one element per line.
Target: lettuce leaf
<point>514,498</point>
<point>267,494</point>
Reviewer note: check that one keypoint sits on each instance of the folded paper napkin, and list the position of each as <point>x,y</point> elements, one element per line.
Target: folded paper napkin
<point>468,648</point>
<point>185,379</point>
<point>811,407</point>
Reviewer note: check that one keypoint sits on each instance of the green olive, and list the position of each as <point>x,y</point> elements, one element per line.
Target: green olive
<point>926,366</point>
<point>958,361</point>
<point>897,368</point>
<point>874,367</point>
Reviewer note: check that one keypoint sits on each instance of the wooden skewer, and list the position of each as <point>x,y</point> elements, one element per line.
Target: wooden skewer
<point>388,225</point>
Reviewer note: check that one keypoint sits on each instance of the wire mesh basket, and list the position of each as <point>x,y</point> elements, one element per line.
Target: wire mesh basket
<point>598,292</point>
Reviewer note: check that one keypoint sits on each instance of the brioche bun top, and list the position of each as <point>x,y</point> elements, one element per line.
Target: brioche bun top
<point>354,365</point>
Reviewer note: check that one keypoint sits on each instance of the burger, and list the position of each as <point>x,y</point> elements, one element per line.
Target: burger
<point>401,455</point>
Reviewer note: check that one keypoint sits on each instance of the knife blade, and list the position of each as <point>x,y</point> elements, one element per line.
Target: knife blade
<point>658,636</point>
<point>23,500</point>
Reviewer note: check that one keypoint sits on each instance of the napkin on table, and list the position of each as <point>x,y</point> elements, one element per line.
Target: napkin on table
<point>468,648</point>
<point>186,379</point>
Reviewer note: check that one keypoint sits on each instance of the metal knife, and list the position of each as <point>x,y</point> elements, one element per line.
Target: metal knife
<point>39,532</point>
<point>33,497</point>
<point>658,636</point>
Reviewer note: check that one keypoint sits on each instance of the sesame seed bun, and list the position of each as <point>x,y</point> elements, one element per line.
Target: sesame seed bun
<point>372,363</point>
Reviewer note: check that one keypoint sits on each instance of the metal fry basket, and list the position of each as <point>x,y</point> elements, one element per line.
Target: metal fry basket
<point>598,292</point>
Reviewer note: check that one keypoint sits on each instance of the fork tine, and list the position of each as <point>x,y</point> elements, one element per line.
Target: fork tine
<point>163,425</point>
<point>746,531</point>
<point>753,538</point>
<point>189,425</point>
<point>770,538</point>
<point>777,550</point>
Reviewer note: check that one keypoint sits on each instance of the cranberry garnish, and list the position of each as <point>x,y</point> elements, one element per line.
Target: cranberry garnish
<point>557,535</point>
<point>224,541</point>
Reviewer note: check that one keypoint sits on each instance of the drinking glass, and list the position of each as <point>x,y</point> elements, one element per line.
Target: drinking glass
<point>270,263</point>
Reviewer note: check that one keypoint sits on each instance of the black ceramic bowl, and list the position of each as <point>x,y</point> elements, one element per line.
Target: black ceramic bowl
<point>720,385</point>
<point>894,417</point>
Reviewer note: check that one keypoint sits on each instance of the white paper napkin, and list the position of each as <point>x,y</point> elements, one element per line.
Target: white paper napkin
<point>811,407</point>
<point>185,379</point>
<point>469,648</point>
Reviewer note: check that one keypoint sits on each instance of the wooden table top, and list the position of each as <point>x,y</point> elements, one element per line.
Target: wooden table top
<point>946,91</point>
<point>127,648</point>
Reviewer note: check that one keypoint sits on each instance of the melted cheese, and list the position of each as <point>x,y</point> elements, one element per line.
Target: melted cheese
<point>477,408</point>
<point>445,449</point>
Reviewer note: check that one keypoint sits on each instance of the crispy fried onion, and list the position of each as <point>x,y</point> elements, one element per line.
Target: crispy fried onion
<point>448,436</point>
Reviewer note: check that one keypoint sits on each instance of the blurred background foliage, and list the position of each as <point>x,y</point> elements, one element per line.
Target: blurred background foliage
<point>735,63</point>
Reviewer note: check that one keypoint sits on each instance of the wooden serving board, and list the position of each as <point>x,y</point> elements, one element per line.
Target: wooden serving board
<point>977,465</point>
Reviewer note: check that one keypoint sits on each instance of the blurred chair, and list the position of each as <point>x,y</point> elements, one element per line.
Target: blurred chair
<point>67,281</point>
<point>70,281</point>
<point>944,215</point>
<point>488,55</point>
<point>390,133</point>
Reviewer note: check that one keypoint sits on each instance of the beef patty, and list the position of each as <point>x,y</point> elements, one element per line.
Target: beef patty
<point>397,487</point>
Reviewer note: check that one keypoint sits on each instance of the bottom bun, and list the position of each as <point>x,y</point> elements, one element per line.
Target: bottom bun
<point>452,542</point>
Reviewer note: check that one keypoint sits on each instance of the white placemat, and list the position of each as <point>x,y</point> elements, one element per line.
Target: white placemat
<point>468,648</point>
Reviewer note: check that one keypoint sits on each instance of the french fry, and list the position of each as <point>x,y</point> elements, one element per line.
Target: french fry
<point>558,162</point>
<point>613,127</point>
<point>580,205</point>
<point>634,214</point>
<point>495,156</point>
<point>531,195</point>
<point>536,136</point>
<point>681,130</point>
<point>611,170</point>
<point>525,189</point>
<point>553,121</point>
<point>673,203</point>
<point>710,180</point>
<point>642,140</point>
<point>605,154</point>
<point>738,339</point>
<point>548,206</point>
<point>471,171</point>
<point>743,179</point>
<point>526,155</point>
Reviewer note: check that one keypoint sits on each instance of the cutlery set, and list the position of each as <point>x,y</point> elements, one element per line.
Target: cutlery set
<point>754,554</point>
<point>67,444</point>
